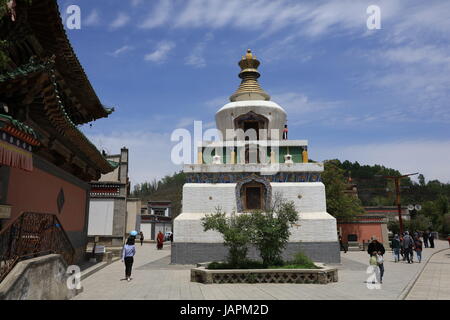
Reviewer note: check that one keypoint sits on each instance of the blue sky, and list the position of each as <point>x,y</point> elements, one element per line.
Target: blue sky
<point>375,96</point>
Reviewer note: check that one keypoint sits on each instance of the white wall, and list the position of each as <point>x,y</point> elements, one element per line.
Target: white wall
<point>101,214</point>
<point>205,197</point>
<point>311,227</point>
<point>312,195</point>
<point>146,229</point>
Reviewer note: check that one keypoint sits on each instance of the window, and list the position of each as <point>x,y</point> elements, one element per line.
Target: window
<point>159,212</point>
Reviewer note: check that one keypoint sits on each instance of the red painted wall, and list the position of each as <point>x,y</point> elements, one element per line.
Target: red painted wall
<point>38,190</point>
<point>364,231</point>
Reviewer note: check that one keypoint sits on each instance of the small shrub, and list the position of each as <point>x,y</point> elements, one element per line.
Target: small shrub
<point>301,259</point>
<point>244,264</point>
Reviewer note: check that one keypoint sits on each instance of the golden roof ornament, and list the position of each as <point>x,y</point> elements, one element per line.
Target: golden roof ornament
<point>249,88</point>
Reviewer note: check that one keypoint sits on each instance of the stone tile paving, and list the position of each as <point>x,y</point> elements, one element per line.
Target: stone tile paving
<point>434,281</point>
<point>155,279</point>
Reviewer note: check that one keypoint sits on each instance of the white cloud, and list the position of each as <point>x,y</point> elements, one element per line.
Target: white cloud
<point>121,51</point>
<point>196,58</point>
<point>159,15</point>
<point>161,52</point>
<point>135,3</point>
<point>427,157</point>
<point>301,109</point>
<point>216,103</point>
<point>410,54</point>
<point>121,20</point>
<point>92,19</point>
<point>310,18</point>
<point>419,74</point>
<point>185,122</point>
<point>149,153</point>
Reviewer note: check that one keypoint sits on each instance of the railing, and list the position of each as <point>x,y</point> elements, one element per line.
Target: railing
<point>32,235</point>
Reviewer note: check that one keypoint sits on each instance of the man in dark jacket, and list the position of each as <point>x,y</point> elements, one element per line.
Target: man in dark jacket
<point>375,246</point>
<point>431,239</point>
<point>425,239</point>
<point>408,245</point>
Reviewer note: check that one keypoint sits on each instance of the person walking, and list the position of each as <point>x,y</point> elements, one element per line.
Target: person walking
<point>141,234</point>
<point>395,244</point>
<point>160,241</point>
<point>128,252</point>
<point>418,248</point>
<point>425,239</point>
<point>377,248</point>
<point>408,244</point>
<point>431,239</point>
<point>343,248</point>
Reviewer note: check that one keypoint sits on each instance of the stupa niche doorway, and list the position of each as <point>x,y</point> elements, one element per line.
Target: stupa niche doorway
<point>253,196</point>
<point>249,122</point>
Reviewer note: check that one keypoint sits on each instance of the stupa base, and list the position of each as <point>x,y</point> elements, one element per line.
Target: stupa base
<point>192,253</point>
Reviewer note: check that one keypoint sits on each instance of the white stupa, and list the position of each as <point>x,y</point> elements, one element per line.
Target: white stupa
<point>244,172</point>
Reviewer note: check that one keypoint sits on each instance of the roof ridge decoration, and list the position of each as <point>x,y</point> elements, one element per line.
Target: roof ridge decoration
<point>249,88</point>
<point>62,122</point>
<point>18,130</point>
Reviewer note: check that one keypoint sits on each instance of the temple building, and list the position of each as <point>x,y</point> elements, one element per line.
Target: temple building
<point>245,170</point>
<point>108,203</point>
<point>46,162</point>
<point>156,217</point>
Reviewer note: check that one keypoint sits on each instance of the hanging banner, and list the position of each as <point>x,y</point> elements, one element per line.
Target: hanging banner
<point>15,157</point>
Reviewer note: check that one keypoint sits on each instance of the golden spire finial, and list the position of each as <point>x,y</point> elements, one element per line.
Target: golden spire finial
<point>249,54</point>
<point>249,88</point>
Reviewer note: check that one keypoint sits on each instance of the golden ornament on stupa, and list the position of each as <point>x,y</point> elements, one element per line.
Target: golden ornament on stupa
<point>249,88</point>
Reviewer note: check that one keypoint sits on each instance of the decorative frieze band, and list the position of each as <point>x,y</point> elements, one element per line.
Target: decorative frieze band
<point>236,177</point>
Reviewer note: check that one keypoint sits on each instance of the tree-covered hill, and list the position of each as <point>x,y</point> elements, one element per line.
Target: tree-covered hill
<point>168,188</point>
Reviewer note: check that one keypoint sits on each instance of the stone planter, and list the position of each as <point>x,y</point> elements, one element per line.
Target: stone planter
<point>324,275</point>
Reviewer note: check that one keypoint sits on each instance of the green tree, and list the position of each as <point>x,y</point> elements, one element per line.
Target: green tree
<point>236,231</point>
<point>271,230</point>
<point>339,204</point>
<point>420,223</point>
<point>421,179</point>
<point>394,226</point>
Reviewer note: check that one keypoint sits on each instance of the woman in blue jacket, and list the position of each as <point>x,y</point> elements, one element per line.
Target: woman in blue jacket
<point>128,252</point>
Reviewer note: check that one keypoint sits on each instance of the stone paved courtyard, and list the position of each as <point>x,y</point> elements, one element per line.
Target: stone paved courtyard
<point>155,279</point>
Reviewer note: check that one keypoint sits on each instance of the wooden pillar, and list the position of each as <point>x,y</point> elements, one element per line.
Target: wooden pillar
<point>233,157</point>
<point>305,156</point>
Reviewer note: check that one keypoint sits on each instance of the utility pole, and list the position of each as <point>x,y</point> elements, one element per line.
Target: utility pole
<point>397,198</point>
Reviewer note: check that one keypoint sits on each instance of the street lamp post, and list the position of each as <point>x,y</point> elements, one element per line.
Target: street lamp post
<point>397,198</point>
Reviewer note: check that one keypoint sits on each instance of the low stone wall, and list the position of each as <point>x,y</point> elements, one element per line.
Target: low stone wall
<point>41,278</point>
<point>318,276</point>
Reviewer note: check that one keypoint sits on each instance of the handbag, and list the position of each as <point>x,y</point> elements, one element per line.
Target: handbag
<point>380,259</point>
